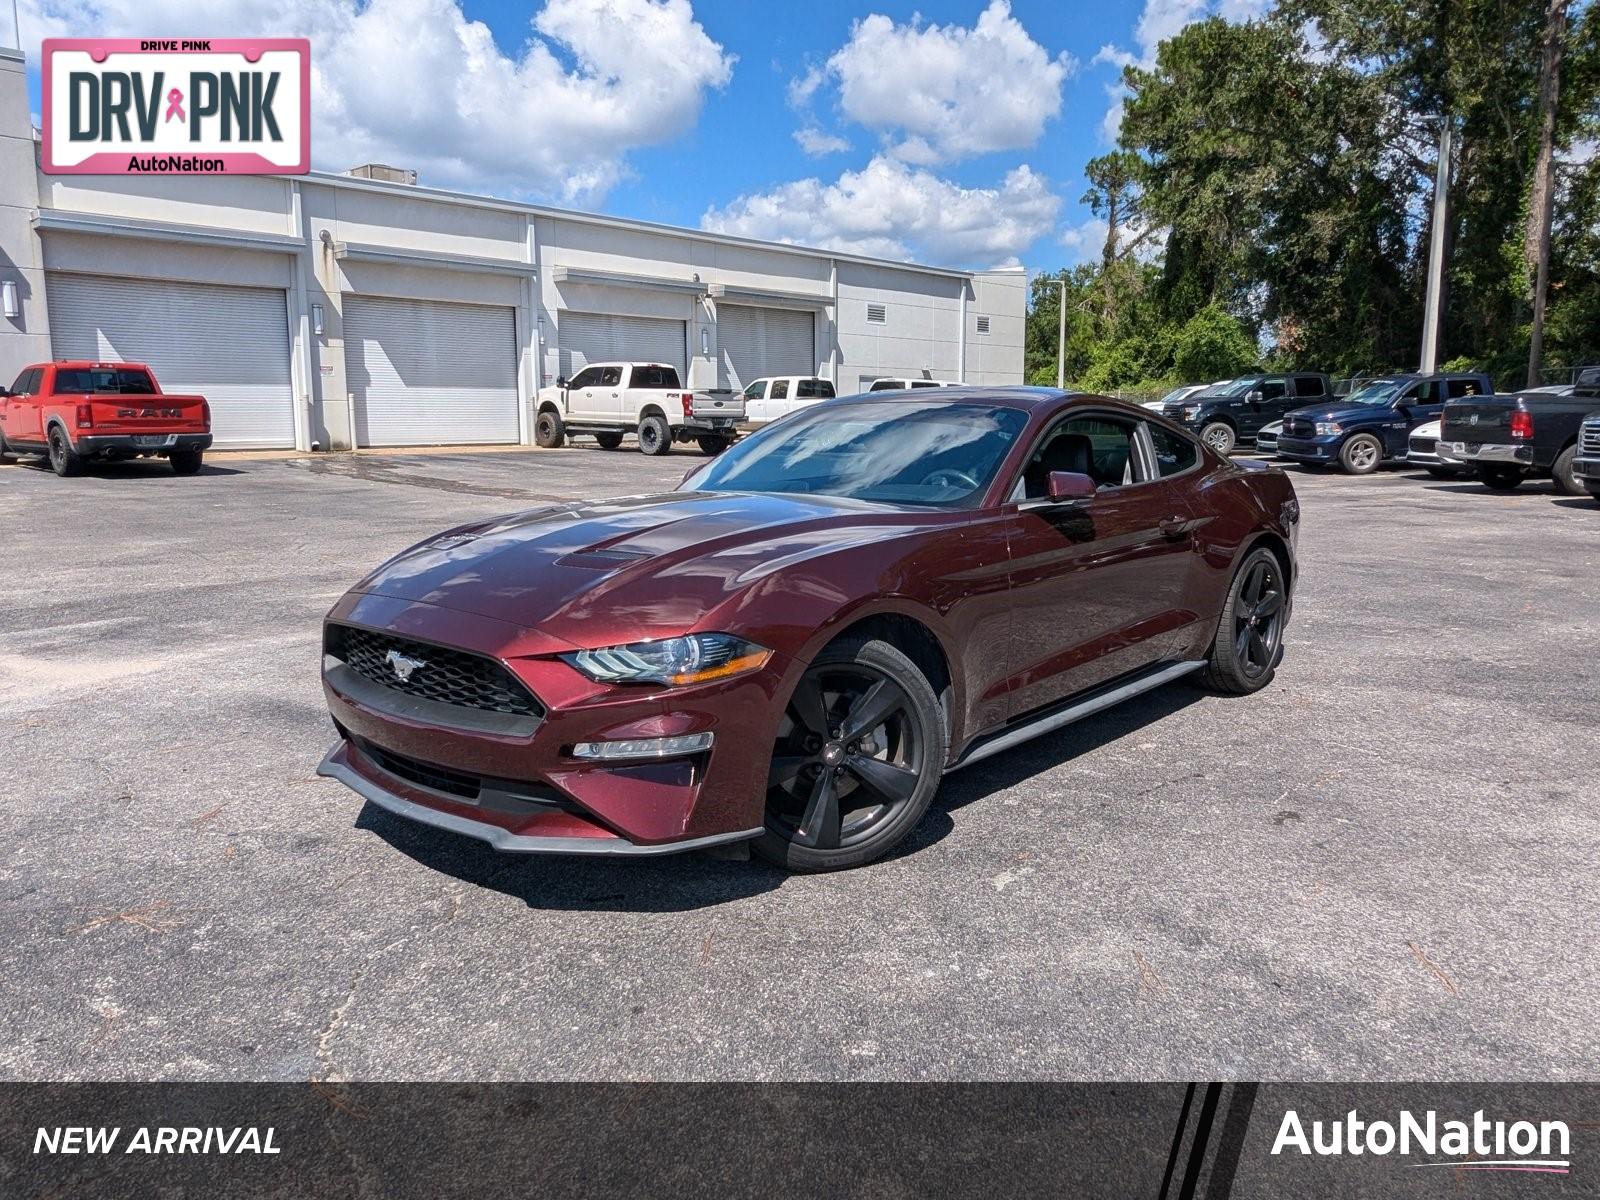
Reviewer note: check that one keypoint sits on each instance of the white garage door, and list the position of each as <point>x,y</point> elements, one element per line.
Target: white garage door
<point>426,373</point>
<point>229,344</point>
<point>753,342</point>
<point>602,337</point>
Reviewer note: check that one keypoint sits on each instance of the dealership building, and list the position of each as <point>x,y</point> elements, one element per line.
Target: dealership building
<point>326,311</point>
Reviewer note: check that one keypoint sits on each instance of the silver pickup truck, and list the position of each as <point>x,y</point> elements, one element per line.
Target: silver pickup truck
<point>608,400</point>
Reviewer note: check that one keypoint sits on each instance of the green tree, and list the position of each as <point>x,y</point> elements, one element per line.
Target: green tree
<point>1212,345</point>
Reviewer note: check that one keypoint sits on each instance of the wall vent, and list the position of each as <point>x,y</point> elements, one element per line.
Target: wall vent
<point>983,324</point>
<point>877,313</point>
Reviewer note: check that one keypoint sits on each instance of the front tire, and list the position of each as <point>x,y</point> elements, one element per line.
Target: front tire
<point>549,430</point>
<point>655,435</point>
<point>1501,479</point>
<point>1561,470</point>
<point>1249,642</point>
<point>186,462</point>
<point>608,441</point>
<point>859,754</point>
<point>64,460</point>
<point>1360,454</point>
<point>713,445</point>
<point>1220,436</point>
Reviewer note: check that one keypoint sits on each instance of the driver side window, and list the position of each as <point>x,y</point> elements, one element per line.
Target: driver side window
<point>587,377</point>
<point>1100,447</point>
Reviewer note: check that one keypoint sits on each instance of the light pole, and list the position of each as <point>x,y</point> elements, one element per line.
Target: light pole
<point>1431,315</point>
<point>1061,342</point>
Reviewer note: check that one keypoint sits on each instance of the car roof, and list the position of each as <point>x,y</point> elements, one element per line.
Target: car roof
<point>1018,396</point>
<point>83,364</point>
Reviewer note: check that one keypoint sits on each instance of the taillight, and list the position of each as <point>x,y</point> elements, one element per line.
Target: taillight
<point>85,416</point>
<point>688,399</point>
<point>205,415</point>
<point>1522,425</point>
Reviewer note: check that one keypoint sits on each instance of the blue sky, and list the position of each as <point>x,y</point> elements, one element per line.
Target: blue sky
<point>951,131</point>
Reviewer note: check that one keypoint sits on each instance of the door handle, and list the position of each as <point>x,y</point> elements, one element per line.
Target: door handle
<point>1174,528</point>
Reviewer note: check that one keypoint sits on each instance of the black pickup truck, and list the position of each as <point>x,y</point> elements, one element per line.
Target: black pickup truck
<point>1528,435</point>
<point>1227,413</point>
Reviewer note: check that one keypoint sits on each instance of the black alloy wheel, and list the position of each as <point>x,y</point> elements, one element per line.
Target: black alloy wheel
<point>549,430</point>
<point>1249,637</point>
<point>858,756</point>
<point>655,435</point>
<point>64,460</point>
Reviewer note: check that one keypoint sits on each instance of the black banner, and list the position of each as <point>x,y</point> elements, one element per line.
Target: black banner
<point>1163,1141</point>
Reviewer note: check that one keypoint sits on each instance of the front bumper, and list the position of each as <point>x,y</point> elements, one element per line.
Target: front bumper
<point>525,790</point>
<point>139,443</point>
<point>1518,454</point>
<point>1324,449</point>
<point>1587,469</point>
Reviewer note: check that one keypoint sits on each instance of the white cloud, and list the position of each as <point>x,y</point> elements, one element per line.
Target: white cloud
<point>817,143</point>
<point>1158,21</point>
<point>1086,239</point>
<point>935,93</point>
<point>892,210</point>
<point>417,84</point>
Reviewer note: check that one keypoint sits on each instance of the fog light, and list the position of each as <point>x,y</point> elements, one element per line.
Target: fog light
<point>666,747</point>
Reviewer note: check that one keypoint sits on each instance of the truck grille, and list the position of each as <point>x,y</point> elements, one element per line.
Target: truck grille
<point>1298,427</point>
<point>1589,439</point>
<point>446,676</point>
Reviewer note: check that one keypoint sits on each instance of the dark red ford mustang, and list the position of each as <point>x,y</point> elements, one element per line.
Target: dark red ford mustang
<point>797,644</point>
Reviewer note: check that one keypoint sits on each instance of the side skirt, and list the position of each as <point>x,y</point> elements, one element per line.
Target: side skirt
<point>1068,711</point>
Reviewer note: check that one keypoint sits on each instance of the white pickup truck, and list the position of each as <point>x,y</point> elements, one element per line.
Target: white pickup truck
<point>607,400</point>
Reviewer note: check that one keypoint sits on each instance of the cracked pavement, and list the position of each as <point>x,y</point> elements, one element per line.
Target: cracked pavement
<point>1383,867</point>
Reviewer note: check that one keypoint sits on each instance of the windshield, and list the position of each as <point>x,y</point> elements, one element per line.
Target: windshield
<point>896,452</point>
<point>1176,394</point>
<point>1378,392</point>
<point>1236,388</point>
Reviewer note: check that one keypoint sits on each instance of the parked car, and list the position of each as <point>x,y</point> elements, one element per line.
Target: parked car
<point>1178,395</point>
<point>1422,450</point>
<point>1528,435</point>
<point>75,412</point>
<point>1267,439</point>
<point>608,400</point>
<point>1235,412</point>
<point>1372,425</point>
<point>779,395</point>
<point>900,383</point>
<point>1586,464</point>
<point>790,649</point>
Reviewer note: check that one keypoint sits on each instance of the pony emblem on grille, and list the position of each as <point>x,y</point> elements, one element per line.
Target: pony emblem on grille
<point>402,666</point>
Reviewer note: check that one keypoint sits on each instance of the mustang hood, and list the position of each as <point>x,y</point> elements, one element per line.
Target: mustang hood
<point>635,567</point>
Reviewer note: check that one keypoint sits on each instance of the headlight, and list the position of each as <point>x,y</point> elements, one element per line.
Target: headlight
<point>1191,411</point>
<point>696,658</point>
<point>1327,428</point>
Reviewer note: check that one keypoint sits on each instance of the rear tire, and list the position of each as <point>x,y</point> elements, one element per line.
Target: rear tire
<point>1249,643</point>
<point>4,449</point>
<point>841,797</point>
<point>186,462</point>
<point>608,441</point>
<point>64,460</point>
<point>1220,436</point>
<point>1360,454</point>
<point>1561,470</point>
<point>713,446</point>
<point>549,430</point>
<point>1501,479</point>
<point>655,435</point>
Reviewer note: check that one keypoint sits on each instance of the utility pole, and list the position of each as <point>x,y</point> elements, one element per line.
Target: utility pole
<point>16,24</point>
<point>1541,205</point>
<point>1436,244</point>
<point>1061,342</point>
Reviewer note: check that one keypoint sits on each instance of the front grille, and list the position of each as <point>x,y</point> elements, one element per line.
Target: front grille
<point>455,677</point>
<point>1298,428</point>
<point>1424,445</point>
<point>1591,438</point>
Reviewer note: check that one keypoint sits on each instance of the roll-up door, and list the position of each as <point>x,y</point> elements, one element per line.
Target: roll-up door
<point>427,373</point>
<point>753,342</point>
<point>604,337</point>
<point>228,344</point>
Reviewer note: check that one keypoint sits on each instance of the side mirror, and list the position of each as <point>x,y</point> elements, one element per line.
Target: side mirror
<point>561,381</point>
<point>1069,487</point>
<point>1253,397</point>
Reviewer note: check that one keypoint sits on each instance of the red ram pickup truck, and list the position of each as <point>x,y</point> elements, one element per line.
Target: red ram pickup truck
<point>74,412</point>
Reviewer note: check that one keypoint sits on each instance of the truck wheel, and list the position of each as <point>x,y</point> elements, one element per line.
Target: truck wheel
<point>655,435</point>
<point>1501,479</point>
<point>1360,454</point>
<point>1561,470</point>
<point>608,441</point>
<point>4,449</point>
<point>549,431</point>
<point>186,462</point>
<point>713,445</point>
<point>1220,436</point>
<point>64,460</point>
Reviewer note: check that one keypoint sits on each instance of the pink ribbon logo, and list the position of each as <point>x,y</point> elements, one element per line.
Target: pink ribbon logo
<point>175,105</point>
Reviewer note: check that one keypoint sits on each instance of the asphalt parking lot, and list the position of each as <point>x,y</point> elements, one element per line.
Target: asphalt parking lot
<point>1383,867</point>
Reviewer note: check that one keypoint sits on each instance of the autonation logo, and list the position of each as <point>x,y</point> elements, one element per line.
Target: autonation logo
<point>1476,1145</point>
